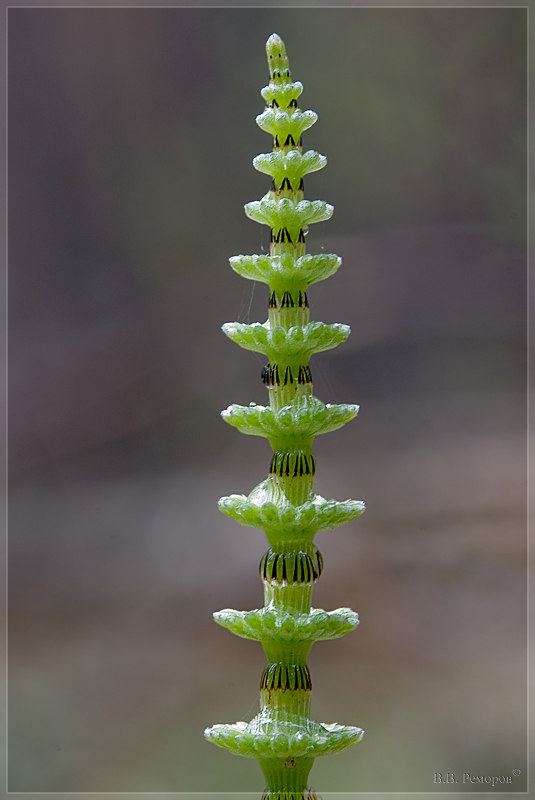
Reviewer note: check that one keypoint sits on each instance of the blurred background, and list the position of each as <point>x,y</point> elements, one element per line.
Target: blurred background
<point>131,135</point>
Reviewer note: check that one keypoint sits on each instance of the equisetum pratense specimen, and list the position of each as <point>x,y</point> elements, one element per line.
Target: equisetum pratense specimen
<point>282,737</point>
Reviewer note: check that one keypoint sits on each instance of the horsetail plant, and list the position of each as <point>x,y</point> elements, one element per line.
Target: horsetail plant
<point>282,737</point>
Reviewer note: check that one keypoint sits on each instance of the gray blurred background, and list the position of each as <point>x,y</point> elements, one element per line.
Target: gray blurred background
<point>131,138</point>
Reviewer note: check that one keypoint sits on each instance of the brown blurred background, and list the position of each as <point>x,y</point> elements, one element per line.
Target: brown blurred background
<point>131,135</point>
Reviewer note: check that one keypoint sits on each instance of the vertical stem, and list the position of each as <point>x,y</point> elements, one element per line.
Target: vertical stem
<point>282,736</point>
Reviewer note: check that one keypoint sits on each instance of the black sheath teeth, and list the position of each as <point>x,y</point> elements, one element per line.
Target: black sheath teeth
<point>292,103</point>
<point>270,375</point>
<point>304,375</point>
<point>303,300</point>
<point>301,237</point>
<point>282,677</point>
<point>287,300</point>
<point>287,568</point>
<point>319,563</point>
<point>281,236</point>
<point>264,374</point>
<point>286,232</point>
<point>289,140</point>
<point>294,464</point>
<point>285,185</point>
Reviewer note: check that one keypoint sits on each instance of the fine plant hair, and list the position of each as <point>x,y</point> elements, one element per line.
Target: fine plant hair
<point>283,737</point>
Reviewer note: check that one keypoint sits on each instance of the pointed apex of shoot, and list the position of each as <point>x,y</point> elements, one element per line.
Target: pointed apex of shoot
<point>275,46</point>
<point>277,59</point>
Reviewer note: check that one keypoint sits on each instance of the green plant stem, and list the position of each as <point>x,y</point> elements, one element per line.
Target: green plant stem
<point>283,736</point>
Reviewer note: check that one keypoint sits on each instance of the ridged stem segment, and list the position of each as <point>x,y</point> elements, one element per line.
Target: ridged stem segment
<point>282,736</point>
